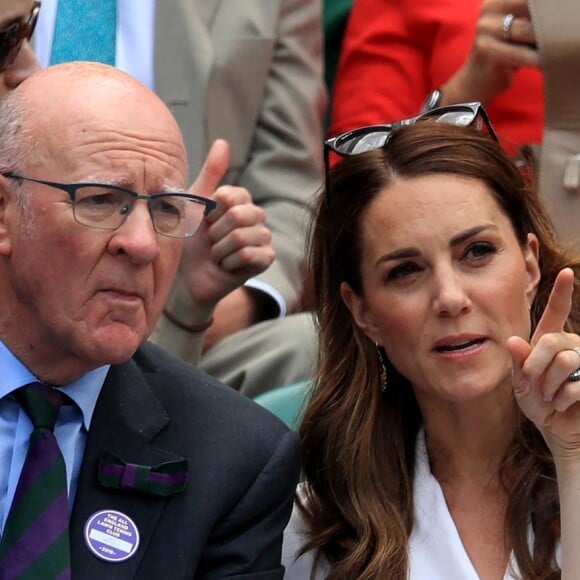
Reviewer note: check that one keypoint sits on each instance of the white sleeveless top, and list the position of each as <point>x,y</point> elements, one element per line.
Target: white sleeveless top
<point>436,551</point>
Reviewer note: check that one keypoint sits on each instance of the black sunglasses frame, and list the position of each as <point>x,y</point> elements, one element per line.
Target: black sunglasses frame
<point>13,35</point>
<point>333,144</point>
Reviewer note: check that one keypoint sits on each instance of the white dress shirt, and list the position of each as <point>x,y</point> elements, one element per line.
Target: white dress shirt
<point>71,428</point>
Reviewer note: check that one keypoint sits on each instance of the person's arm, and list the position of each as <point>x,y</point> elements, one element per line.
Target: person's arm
<point>395,53</point>
<point>383,72</point>
<point>541,371</point>
<point>284,167</point>
<point>231,245</point>
<point>495,55</point>
<point>247,543</point>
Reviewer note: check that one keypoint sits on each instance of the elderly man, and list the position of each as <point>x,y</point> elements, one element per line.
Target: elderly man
<point>249,72</point>
<point>166,472</point>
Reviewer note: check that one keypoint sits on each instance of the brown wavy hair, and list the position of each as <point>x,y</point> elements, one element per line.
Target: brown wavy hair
<point>359,442</point>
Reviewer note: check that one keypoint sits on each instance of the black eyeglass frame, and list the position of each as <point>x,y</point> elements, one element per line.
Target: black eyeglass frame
<point>71,190</point>
<point>14,34</point>
<point>333,143</point>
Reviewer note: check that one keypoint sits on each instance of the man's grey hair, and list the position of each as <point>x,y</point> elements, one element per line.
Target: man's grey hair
<point>15,140</point>
<point>15,144</point>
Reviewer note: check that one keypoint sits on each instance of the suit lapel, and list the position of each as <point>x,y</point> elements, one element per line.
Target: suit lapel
<point>127,418</point>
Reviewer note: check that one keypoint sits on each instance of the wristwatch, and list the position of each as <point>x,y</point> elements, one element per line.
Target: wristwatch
<point>432,101</point>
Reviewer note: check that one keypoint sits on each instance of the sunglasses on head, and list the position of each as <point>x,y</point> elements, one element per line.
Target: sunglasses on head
<point>13,35</point>
<point>376,136</point>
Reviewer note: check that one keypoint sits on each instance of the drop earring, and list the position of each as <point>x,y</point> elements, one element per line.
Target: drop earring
<point>383,366</point>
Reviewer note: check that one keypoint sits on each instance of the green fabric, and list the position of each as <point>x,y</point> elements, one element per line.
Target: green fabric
<point>41,410</point>
<point>164,479</point>
<point>335,16</point>
<point>336,13</point>
<point>286,402</point>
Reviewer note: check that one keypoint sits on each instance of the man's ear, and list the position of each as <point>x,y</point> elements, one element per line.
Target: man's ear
<point>7,206</point>
<point>532,261</point>
<point>360,312</point>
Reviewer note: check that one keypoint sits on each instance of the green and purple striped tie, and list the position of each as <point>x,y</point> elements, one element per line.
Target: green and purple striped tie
<point>35,542</point>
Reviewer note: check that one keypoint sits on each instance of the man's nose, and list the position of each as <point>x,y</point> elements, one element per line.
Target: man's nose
<point>137,237</point>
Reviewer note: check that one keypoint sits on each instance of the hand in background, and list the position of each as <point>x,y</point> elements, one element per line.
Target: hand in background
<point>495,55</point>
<point>231,245</point>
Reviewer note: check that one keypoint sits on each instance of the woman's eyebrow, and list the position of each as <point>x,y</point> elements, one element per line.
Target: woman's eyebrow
<point>413,252</point>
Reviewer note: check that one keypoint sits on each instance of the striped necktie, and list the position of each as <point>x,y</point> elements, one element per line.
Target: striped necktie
<point>35,542</point>
<point>85,30</point>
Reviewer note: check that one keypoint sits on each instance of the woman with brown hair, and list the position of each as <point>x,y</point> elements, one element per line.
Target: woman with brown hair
<point>442,437</point>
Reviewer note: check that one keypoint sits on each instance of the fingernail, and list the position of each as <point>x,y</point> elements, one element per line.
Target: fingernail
<point>525,386</point>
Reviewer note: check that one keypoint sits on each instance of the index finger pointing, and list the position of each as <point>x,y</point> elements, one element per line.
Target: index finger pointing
<point>558,307</point>
<point>213,169</point>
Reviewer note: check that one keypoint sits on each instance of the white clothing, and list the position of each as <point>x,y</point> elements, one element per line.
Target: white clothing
<point>436,551</point>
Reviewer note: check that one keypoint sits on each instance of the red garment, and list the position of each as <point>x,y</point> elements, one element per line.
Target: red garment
<point>395,52</point>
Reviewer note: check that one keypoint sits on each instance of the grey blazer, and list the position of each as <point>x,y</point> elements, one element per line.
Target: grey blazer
<point>251,72</point>
<point>243,465</point>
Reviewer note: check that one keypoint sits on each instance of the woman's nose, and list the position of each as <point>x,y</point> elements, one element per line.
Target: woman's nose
<point>451,296</point>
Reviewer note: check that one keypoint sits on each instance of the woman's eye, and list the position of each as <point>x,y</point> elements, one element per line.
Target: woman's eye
<point>403,270</point>
<point>479,250</point>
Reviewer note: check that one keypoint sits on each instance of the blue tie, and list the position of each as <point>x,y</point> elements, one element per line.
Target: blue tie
<point>85,30</point>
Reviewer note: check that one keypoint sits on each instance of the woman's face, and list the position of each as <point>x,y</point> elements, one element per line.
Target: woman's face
<point>445,284</point>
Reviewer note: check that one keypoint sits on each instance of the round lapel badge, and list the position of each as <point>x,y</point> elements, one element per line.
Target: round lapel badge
<point>111,535</point>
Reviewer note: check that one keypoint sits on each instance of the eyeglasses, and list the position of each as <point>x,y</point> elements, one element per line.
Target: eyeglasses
<point>13,35</point>
<point>106,207</point>
<point>374,137</point>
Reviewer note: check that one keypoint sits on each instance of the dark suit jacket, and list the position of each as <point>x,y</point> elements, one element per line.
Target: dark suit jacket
<point>243,468</point>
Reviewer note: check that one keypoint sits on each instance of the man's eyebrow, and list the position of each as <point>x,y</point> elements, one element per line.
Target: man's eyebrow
<point>173,189</point>
<point>99,180</point>
<point>130,184</point>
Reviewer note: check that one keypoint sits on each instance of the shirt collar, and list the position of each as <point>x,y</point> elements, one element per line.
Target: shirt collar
<point>84,391</point>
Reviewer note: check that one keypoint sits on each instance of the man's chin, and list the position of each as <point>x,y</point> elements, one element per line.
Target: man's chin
<point>117,343</point>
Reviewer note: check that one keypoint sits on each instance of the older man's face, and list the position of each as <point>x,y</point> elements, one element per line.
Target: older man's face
<point>86,295</point>
<point>25,62</point>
